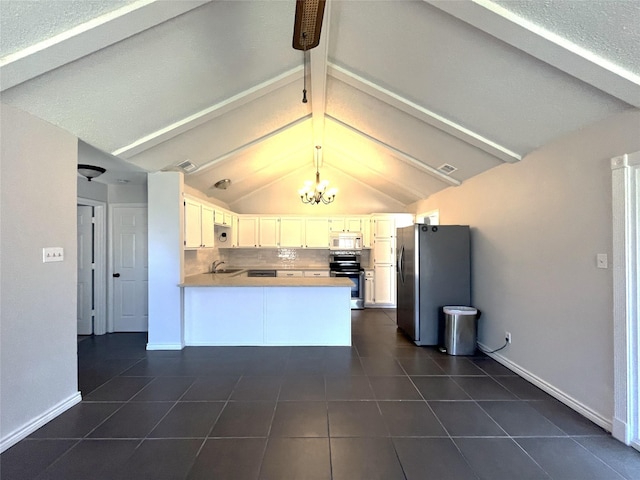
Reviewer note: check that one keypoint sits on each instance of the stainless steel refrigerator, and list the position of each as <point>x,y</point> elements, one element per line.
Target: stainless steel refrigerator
<point>433,271</point>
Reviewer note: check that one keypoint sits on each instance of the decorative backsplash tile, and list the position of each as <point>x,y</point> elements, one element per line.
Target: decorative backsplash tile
<point>199,261</point>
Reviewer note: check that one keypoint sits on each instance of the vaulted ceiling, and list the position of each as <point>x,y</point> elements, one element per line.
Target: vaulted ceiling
<point>397,88</point>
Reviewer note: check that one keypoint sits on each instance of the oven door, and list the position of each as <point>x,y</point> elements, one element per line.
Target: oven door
<point>357,290</point>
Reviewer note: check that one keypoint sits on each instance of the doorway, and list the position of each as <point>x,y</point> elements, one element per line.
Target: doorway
<point>92,288</point>
<point>129,264</point>
<point>626,297</point>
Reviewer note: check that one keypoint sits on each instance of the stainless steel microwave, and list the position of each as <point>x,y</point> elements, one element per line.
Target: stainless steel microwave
<point>345,241</point>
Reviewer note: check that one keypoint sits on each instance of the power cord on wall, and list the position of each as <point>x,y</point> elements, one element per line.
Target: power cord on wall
<point>506,342</point>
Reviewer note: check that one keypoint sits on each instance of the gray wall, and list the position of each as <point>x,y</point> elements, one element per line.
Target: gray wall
<point>536,229</point>
<point>38,300</point>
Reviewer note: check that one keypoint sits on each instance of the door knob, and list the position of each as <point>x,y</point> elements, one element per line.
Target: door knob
<point>116,275</point>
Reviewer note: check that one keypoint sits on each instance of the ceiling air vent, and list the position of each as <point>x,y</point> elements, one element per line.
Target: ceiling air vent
<point>446,168</point>
<point>187,166</point>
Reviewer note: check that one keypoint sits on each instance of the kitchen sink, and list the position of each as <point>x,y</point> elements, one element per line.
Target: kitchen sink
<point>227,270</point>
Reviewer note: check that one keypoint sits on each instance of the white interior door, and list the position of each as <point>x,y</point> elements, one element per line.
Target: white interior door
<point>130,267</point>
<point>85,270</point>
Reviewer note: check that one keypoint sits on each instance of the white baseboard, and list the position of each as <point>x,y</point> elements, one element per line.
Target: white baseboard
<point>165,346</point>
<point>30,427</point>
<point>569,401</point>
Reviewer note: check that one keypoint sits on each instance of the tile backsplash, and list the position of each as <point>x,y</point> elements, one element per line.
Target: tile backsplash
<point>199,261</point>
<point>276,257</point>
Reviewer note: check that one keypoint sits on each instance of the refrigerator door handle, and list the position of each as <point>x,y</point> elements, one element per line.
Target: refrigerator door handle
<point>400,264</point>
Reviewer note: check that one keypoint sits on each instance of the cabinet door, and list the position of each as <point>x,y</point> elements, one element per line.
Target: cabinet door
<point>192,224</point>
<point>289,273</point>
<point>247,231</point>
<point>292,232</point>
<point>269,232</point>
<point>353,224</point>
<point>316,273</point>
<point>369,285</point>
<point>218,217</point>
<point>337,224</point>
<point>207,235</point>
<point>384,284</point>
<point>317,232</point>
<point>367,241</point>
<point>234,231</point>
<point>384,226</point>
<point>384,251</point>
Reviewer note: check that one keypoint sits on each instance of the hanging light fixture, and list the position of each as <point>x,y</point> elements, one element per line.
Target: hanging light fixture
<point>90,171</point>
<point>315,194</point>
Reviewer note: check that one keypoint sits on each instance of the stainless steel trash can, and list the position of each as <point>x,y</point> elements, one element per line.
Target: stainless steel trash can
<point>460,330</point>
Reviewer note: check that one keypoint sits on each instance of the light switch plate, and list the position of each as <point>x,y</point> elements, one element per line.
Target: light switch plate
<point>602,261</point>
<point>52,254</point>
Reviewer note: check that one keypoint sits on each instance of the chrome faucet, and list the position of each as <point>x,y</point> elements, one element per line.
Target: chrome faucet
<point>215,265</point>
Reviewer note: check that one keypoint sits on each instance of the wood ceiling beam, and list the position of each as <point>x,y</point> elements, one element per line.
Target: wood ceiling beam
<point>400,155</point>
<point>319,59</point>
<point>88,38</point>
<point>546,46</point>
<point>208,114</point>
<point>423,114</point>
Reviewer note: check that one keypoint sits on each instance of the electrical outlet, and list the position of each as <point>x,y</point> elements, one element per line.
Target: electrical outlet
<point>507,337</point>
<point>602,260</point>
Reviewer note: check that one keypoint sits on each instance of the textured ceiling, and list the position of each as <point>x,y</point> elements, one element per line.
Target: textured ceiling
<point>396,88</point>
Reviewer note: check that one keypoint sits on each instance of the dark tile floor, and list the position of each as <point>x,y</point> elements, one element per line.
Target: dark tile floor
<point>382,409</point>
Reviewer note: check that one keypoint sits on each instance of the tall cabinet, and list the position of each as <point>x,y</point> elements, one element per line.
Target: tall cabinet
<point>384,263</point>
<point>383,234</point>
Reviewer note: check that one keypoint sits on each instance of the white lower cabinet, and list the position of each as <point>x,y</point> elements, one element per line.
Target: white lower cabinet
<point>316,273</point>
<point>384,291</point>
<point>289,273</point>
<point>369,285</point>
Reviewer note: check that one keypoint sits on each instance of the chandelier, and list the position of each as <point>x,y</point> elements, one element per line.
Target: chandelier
<point>315,194</point>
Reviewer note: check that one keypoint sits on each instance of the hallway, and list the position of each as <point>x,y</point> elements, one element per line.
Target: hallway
<point>381,409</point>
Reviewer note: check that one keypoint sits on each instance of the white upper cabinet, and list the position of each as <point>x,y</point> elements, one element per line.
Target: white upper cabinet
<point>234,231</point>
<point>192,224</point>
<point>223,218</point>
<point>316,232</point>
<point>292,230</point>
<point>347,224</point>
<point>208,237</point>
<point>269,232</point>
<point>383,226</point>
<point>198,224</point>
<point>248,231</point>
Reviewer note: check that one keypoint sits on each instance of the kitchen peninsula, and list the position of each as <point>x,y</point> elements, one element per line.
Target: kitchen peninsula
<point>236,310</point>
